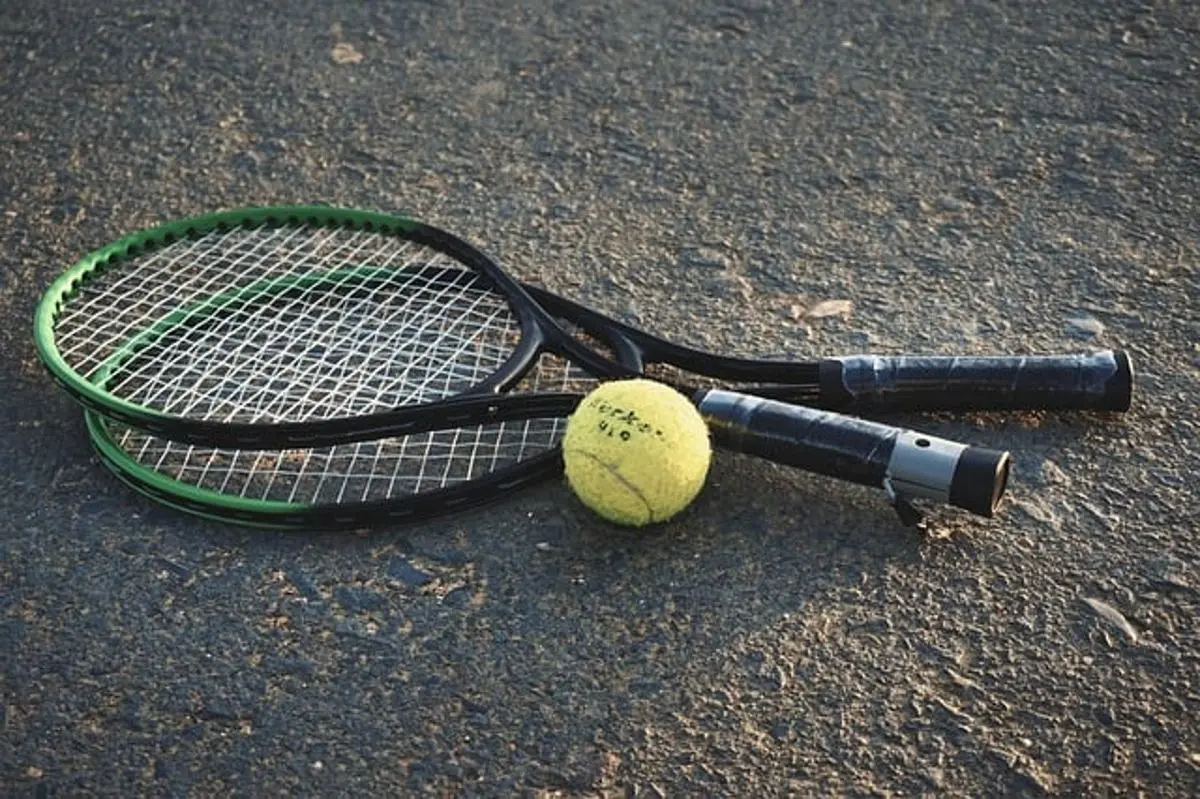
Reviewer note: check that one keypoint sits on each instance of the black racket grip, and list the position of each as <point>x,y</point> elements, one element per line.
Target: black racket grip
<point>905,463</point>
<point>1095,381</point>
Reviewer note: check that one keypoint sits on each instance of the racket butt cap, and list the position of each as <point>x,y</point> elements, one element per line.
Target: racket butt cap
<point>1118,394</point>
<point>980,480</point>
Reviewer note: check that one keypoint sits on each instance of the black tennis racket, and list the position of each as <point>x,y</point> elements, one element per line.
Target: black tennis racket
<point>451,467</point>
<point>307,326</point>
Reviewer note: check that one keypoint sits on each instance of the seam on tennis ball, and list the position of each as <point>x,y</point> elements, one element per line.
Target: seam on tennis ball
<point>637,492</point>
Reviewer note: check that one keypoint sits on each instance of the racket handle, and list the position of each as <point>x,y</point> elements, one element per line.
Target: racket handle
<point>1095,381</point>
<point>906,464</point>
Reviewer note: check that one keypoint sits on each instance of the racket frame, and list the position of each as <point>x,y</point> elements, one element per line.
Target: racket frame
<point>539,333</point>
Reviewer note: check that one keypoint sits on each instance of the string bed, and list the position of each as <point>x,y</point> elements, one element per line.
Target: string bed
<point>364,471</point>
<point>293,323</point>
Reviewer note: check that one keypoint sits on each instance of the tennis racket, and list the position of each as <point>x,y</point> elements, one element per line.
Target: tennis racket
<point>448,469</point>
<point>310,326</point>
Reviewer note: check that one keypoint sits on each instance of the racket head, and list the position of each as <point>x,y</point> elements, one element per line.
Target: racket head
<point>482,451</point>
<point>287,326</point>
<point>362,484</point>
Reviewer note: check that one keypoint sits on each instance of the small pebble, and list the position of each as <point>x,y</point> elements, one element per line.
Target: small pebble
<point>458,598</point>
<point>358,600</point>
<point>219,709</point>
<point>1038,512</point>
<point>859,339</point>
<point>720,287</point>
<point>1169,478</point>
<point>705,257</point>
<point>1076,180</point>
<point>1169,570</point>
<point>1052,474</point>
<point>304,585</point>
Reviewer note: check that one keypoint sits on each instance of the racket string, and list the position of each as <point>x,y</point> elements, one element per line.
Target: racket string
<point>419,327</point>
<point>398,344</point>
<point>120,302</point>
<point>160,284</point>
<point>366,374</point>
<point>365,471</point>
<point>257,331</point>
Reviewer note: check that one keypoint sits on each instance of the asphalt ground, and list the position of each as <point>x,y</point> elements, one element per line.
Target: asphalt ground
<point>987,177</point>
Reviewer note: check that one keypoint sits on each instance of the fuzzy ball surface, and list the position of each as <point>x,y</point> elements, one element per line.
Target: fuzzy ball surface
<point>636,451</point>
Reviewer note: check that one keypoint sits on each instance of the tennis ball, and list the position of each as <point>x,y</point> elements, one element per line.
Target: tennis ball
<point>636,451</point>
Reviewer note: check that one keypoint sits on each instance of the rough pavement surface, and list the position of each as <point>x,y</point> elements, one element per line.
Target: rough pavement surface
<point>985,177</point>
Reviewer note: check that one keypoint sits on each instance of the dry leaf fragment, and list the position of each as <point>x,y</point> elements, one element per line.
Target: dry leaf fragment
<point>345,53</point>
<point>1113,617</point>
<point>830,308</point>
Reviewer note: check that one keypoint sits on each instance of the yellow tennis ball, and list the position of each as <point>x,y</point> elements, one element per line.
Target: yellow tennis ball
<point>636,451</point>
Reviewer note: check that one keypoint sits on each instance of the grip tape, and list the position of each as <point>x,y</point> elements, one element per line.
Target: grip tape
<point>1094,381</point>
<point>905,463</point>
